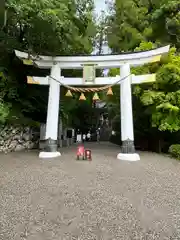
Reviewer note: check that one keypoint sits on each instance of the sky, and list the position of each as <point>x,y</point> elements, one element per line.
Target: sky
<point>100,5</point>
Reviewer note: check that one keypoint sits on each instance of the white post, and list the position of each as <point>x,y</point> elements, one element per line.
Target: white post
<point>127,132</point>
<point>126,105</point>
<point>52,115</point>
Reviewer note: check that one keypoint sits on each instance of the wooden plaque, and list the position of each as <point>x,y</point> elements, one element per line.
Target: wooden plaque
<point>89,73</point>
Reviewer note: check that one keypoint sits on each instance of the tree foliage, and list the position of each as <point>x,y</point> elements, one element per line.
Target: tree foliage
<point>56,27</point>
<point>144,25</point>
<point>136,21</point>
<point>50,27</point>
<point>163,96</point>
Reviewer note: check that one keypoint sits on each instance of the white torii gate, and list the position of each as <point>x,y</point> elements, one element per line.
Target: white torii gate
<point>122,61</point>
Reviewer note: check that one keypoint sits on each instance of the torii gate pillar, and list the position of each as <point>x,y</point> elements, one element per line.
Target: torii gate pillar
<point>50,150</point>
<point>127,131</point>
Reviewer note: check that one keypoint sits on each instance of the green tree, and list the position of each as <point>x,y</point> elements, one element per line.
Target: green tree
<point>163,99</point>
<point>127,25</point>
<point>166,22</point>
<point>135,21</point>
<point>41,27</point>
<point>50,27</point>
<point>143,25</point>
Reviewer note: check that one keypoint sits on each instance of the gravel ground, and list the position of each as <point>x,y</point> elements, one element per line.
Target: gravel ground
<point>108,199</point>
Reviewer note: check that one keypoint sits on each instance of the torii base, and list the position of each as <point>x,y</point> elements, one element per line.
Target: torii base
<point>131,157</point>
<point>50,149</point>
<point>49,154</point>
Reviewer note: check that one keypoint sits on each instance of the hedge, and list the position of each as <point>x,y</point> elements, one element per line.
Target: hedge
<point>174,151</point>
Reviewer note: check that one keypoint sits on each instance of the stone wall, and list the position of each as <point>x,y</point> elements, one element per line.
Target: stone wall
<point>18,138</point>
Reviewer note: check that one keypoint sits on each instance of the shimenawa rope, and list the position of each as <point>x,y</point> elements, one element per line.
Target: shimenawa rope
<point>76,89</point>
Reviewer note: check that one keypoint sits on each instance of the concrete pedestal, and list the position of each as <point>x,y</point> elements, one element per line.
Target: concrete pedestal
<point>132,157</point>
<point>49,154</point>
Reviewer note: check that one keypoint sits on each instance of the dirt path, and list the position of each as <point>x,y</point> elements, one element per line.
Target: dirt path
<point>62,199</point>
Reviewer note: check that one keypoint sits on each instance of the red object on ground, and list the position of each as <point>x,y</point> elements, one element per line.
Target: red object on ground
<point>80,151</point>
<point>88,155</point>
